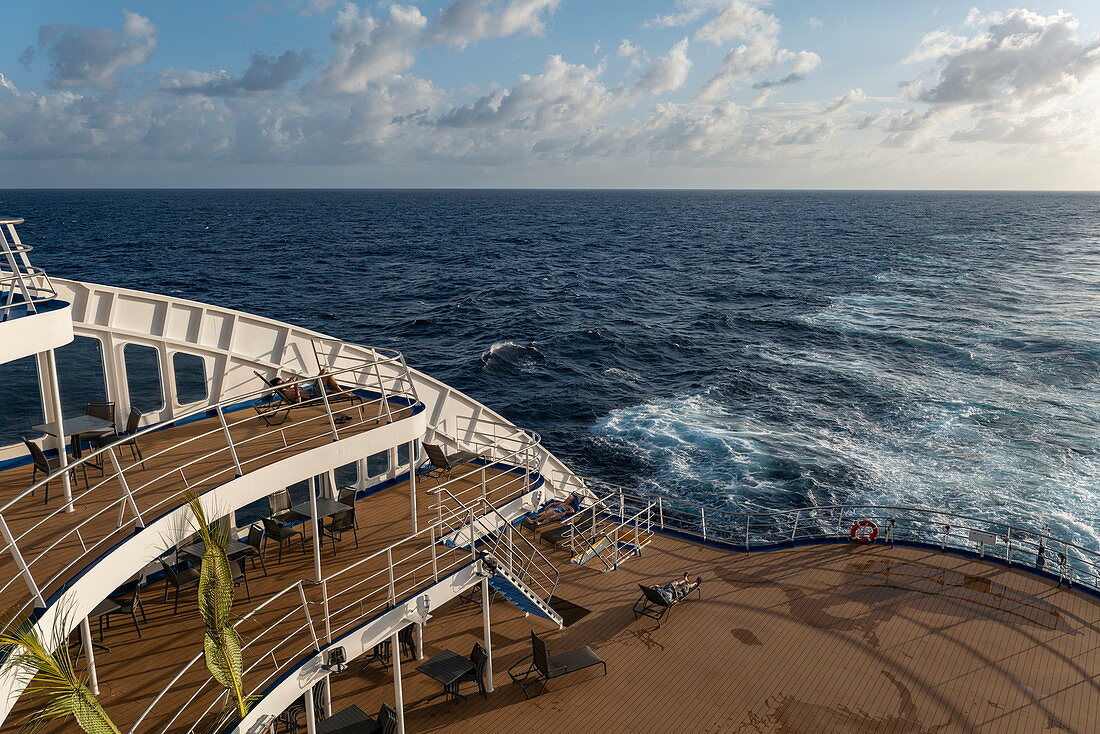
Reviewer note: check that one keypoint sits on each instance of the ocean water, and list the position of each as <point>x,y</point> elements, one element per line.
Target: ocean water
<point>751,350</point>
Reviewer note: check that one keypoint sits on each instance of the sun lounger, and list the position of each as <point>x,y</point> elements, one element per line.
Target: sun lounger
<point>654,605</point>
<point>545,667</point>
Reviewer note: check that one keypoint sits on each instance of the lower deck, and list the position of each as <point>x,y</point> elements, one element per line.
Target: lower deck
<point>838,639</point>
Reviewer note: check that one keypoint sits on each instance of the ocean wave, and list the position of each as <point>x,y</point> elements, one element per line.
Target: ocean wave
<point>508,353</point>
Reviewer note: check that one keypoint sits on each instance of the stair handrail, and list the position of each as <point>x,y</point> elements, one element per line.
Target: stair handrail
<point>551,579</point>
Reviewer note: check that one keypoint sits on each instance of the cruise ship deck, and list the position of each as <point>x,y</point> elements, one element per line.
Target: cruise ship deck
<point>834,638</point>
<point>191,457</point>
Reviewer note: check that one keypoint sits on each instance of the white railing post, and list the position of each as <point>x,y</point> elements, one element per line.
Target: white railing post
<point>486,625</point>
<point>21,564</point>
<point>398,691</point>
<point>794,529</point>
<point>328,409</point>
<point>311,714</point>
<point>412,484</point>
<point>125,490</point>
<point>661,511</point>
<point>229,441</point>
<point>89,654</point>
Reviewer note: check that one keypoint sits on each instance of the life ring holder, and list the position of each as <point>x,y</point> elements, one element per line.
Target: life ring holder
<point>863,531</point>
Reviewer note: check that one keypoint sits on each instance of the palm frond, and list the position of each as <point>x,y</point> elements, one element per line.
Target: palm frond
<point>57,689</point>
<point>221,643</point>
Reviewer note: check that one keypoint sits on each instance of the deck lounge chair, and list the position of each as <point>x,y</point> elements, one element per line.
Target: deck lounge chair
<point>582,522</point>
<point>444,463</point>
<point>275,407</point>
<point>654,605</point>
<point>545,667</point>
<point>573,506</point>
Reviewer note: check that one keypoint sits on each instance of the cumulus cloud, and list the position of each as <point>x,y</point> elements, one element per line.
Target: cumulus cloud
<point>467,21</point>
<point>1018,58</point>
<point>370,48</point>
<point>264,74</point>
<point>668,73</point>
<point>89,56</point>
<point>759,52</point>
<point>563,93</point>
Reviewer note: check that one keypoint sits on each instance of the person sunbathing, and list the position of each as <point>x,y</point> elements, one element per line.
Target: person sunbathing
<point>329,383</point>
<point>554,511</point>
<point>290,393</point>
<point>676,590</point>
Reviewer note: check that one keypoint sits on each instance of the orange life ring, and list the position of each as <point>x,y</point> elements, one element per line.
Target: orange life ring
<point>857,534</point>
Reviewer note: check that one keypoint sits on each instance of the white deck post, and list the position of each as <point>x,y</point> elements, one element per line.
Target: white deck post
<point>316,528</point>
<point>311,715</point>
<point>398,692</point>
<point>419,640</point>
<point>486,624</point>
<point>412,484</point>
<point>89,654</point>
<point>50,393</point>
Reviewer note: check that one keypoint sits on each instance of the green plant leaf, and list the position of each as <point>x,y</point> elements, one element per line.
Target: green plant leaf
<point>52,681</point>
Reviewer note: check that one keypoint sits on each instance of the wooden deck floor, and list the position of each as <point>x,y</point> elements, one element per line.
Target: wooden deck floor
<point>840,639</point>
<point>155,485</point>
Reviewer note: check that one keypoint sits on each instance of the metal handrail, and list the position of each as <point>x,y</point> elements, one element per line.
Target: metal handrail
<point>30,284</point>
<point>403,572</point>
<point>227,466</point>
<point>1011,544</point>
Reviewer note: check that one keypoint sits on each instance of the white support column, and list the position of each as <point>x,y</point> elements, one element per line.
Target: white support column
<point>486,624</point>
<point>316,523</point>
<point>328,695</point>
<point>50,392</point>
<point>418,639</point>
<point>89,654</point>
<point>412,484</point>
<point>311,713</point>
<point>398,691</point>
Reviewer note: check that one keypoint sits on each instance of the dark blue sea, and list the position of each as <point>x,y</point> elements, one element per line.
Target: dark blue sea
<point>748,349</point>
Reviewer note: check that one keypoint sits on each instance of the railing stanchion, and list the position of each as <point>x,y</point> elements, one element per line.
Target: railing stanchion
<point>661,511</point>
<point>126,489</point>
<point>794,529</point>
<point>21,564</point>
<point>229,441</point>
<point>328,409</point>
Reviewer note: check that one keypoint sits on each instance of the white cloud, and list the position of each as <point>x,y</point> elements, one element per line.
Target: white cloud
<point>815,22</point>
<point>1019,58</point>
<point>562,94</point>
<point>370,48</point>
<point>669,72</point>
<point>743,20</point>
<point>634,53</point>
<point>467,21</point>
<point>90,56</point>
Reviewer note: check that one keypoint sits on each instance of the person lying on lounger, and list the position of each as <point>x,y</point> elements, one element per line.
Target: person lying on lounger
<point>553,511</point>
<point>674,591</point>
<point>291,393</point>
<point>327,381</point>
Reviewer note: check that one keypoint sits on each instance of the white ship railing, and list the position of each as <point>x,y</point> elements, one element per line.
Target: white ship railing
<point>497,445</point>
<point>1013,545</point>
<point>22,286</point>
<point>313,614</point>
<point>132,495</point>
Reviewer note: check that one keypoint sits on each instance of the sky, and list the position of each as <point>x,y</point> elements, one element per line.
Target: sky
<point>551,93</point>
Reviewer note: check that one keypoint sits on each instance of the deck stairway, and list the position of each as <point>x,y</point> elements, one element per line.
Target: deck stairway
<point>612,539</point>
<point>523,575</point>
